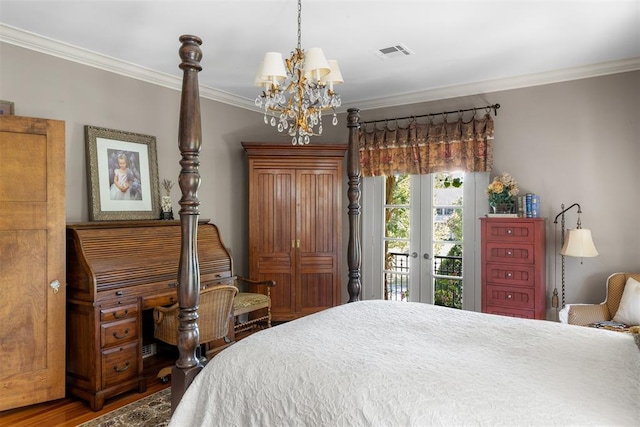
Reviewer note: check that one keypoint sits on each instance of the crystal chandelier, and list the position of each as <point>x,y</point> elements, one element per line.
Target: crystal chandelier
<point>296,96</point>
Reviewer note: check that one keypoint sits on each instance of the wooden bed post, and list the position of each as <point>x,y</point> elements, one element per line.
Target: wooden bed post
<point>353,193</point>
<point>189,141</point>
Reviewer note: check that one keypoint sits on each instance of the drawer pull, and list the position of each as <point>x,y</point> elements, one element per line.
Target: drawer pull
<point>509,253</point>
<point>509,231</point>
<point>509,296</point>
<point>120,316</point>
<point>173,285</point>
<point>119,293</point>
<point>124,368</point>
<point>119,337</point>
<point>509,275</point>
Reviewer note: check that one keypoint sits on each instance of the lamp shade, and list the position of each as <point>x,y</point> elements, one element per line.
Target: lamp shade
<point>316,65</point>
<point>579,244</point>
<point>335,76</point>
<point>272,68</point>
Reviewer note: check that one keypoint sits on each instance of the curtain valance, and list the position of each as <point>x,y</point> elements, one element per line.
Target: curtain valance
<point>423,148</point>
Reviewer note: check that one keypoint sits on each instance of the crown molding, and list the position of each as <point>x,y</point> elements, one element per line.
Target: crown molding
<point>497,85</point>
<point>69,52</point>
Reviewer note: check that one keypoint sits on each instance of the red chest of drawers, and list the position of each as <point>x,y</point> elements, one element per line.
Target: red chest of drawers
<point>513,267</point>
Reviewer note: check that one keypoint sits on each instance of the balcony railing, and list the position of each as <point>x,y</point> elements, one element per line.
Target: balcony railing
<point>447,290</point>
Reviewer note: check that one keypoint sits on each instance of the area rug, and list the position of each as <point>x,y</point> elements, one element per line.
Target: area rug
<point>153,410</point>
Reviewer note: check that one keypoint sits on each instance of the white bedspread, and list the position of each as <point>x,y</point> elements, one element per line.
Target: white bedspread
<point>377,363</point>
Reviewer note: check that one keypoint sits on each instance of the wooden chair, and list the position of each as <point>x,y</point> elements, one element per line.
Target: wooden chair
<point>252,306</point>
<point>215,313</point>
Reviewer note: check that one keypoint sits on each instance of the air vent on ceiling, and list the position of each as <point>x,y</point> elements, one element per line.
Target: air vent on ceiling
<point>396,51</point>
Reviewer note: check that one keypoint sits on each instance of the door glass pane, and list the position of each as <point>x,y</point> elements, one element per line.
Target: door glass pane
<point>396,240</point>
<point>447,214</point>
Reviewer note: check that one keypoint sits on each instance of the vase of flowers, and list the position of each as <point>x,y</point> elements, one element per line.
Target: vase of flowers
<point>501,192</point>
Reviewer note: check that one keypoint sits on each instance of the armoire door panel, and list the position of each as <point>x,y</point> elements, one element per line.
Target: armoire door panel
<point>316,291</point>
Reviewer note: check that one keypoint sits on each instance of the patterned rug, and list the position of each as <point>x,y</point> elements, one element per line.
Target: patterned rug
<point>153,410</point>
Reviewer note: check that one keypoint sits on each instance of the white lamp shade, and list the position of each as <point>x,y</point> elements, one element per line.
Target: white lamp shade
<point>316,65</point>
<point>335,76</point>
<point>272,68</point>
<point>579,244</point>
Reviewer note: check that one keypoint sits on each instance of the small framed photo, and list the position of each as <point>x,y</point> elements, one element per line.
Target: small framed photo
<point>122,168</point>
<point>6,108</point>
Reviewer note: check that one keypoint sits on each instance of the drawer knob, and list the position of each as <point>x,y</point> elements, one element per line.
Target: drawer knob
<point>509,231</point>
<point>509,296</point>
<point>508,253</point>
<point>119,337</point>
<point>119,293</point>
<point>121,369</point>
<point>509,274</point>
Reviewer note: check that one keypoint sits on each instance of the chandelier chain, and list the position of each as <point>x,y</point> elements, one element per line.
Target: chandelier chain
<point>300,24</point>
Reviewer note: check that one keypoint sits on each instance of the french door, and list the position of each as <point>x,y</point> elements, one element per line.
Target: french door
<point>419,234</point>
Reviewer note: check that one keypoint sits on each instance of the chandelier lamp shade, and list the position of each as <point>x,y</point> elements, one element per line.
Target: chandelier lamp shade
<point>296,91</point>
<point>576,243</point>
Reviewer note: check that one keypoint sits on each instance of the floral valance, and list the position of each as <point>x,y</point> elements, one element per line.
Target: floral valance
<point>423,148</point>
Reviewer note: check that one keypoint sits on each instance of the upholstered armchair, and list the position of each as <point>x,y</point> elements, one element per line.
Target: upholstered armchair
<point>586,314</point>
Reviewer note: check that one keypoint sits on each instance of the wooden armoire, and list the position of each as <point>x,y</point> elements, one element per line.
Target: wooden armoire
<point>295,224</point>
<point>32,261</point>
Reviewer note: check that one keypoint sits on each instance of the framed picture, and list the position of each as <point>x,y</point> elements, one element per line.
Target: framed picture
<point>123,175</point>
<point>6,108</point>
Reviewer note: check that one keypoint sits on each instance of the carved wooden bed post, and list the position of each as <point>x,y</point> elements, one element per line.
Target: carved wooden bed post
<point>189,141</point>
<point>353,193</point>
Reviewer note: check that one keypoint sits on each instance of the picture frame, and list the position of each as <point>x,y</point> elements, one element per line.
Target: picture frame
<point>122,169</point>
<point>6,108</point>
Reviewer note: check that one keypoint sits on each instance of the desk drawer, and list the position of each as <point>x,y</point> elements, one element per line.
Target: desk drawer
<point>119,312</point>
<point>159,300</point>
<point>118,332</point>
<point>504,311</point>
<point>512,297</point>
<point>119,364</point>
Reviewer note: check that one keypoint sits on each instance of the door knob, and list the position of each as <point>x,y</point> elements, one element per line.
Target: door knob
<point>414,254</point>
<point>426,256</point>
<point>55,285</point>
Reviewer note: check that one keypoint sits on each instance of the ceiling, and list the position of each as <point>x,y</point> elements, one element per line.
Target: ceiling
<point>458,47</point>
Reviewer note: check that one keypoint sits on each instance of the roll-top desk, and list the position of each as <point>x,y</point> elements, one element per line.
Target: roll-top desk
<point>115,271</point>
<point>513,267</point>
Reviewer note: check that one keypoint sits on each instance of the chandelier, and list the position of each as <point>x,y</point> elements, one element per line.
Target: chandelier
<point>296,96</point>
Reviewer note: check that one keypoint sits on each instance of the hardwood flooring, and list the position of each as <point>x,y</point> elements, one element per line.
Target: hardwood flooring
<point>69,412</point>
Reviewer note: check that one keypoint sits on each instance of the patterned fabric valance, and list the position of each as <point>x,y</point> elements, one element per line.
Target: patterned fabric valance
<point>423,148</point>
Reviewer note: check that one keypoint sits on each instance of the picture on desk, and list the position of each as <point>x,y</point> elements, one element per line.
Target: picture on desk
<point>123,175</point>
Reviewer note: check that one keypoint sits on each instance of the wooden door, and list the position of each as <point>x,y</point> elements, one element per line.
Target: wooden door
<point>32,259</point>
<point>317,229</point>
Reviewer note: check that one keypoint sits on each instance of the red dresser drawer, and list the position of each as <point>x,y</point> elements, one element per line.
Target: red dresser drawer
<point>510,274</point>
<point>521,232</point>
<point>503,311</point>
<point>509,253</point>
<point>511,297</point>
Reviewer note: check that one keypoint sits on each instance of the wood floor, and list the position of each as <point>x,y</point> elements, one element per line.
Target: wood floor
<point>70,412</point>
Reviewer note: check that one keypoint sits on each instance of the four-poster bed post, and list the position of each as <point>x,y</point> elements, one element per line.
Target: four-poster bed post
<point>189,141</point>
<point>353,193</point>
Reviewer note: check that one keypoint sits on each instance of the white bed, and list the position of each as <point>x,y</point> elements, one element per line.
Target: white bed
<point>381,363</point>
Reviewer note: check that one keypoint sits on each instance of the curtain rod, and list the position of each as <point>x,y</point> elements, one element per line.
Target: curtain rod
<point>493,107</point>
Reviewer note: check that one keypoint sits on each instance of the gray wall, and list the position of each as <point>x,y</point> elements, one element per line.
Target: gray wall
<point>569,142</point>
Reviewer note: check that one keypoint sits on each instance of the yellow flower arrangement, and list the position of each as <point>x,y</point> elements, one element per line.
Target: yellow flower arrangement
<point>502,190</point>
